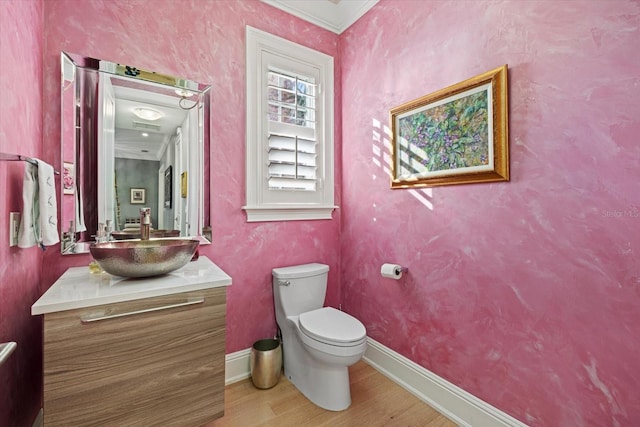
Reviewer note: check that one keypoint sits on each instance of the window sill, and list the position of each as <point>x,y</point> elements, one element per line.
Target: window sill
<point>263,214</point>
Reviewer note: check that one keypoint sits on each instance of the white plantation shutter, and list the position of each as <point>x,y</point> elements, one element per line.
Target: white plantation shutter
<point>291,145</point>
<point>289,130</point>
<point>292,163</point>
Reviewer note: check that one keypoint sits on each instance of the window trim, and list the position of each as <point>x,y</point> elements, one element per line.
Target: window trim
<point>257,209</point>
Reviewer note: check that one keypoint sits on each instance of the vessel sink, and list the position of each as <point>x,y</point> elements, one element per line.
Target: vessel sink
<point>143,258</point>
<point>135,234</point>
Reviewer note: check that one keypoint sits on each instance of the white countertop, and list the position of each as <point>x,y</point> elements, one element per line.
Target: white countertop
<point>77,288</point>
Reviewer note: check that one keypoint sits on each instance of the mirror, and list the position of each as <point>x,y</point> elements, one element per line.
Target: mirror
<point>132,138</point>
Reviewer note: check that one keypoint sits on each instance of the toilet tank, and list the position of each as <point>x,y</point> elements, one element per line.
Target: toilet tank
<point>306,290</point>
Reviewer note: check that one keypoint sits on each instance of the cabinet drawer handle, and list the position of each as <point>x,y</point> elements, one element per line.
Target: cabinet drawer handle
<point>146,310</point>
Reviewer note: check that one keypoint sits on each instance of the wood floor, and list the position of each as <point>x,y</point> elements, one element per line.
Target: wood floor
<point>375,401</point>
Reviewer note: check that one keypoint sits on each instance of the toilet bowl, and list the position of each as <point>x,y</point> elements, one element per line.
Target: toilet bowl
<point>319,343</point>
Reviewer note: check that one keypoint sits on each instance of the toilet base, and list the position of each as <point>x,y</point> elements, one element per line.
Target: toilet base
<point>327,388</point>
<point>322,378</point>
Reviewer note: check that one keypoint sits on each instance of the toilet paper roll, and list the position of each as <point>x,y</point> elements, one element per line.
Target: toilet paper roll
<point>392,271</point>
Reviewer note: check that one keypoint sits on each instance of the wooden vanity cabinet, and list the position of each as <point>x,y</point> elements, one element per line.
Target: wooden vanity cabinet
<point>151,362</point>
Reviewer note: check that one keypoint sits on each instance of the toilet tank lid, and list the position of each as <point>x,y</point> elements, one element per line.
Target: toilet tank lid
<point>297,271</point>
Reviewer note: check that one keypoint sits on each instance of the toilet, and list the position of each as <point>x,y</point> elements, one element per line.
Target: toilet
<point>319,343</point>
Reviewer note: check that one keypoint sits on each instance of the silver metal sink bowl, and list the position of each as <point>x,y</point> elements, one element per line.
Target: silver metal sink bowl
<point>143,258</point>
<point>135,234</point>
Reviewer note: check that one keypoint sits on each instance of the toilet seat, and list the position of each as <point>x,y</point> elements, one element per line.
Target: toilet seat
<point>333,327</point>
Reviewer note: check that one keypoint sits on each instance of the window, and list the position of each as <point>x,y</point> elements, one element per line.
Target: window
<point>289,130</point>
<point>291,147</point>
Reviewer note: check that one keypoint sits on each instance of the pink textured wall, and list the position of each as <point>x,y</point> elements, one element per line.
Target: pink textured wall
<point>21,29</point>
<point>524,293</point>
<point>203,41</point>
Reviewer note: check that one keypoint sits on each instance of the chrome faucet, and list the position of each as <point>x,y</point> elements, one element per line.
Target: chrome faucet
<point>109,230</point>
<point>69,238</point>
<point>145,223</point>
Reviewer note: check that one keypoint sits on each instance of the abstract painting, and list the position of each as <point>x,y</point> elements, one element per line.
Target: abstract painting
<point>457,135</point>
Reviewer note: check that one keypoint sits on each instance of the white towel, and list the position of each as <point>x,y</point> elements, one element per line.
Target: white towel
<point>29,221</point>
<point>48,204</point>
<point>40,210</point>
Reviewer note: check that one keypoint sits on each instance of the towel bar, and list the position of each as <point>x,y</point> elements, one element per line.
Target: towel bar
<point>16,157</point>
<point>6,348</point>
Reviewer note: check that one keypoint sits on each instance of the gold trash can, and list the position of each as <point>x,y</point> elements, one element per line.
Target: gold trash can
<point>266,363</point>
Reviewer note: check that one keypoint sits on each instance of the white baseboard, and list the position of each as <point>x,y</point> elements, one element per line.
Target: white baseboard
<point>237,366</point>
<point>459,406</point>
<point>450,400</point>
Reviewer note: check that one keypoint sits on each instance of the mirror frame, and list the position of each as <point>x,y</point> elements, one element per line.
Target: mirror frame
<point>79,128</point>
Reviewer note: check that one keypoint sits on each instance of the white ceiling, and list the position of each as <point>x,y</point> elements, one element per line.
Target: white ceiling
<point>129,140</point>
<point>333,15</point>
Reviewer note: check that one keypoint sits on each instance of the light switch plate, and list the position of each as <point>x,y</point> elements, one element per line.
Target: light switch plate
<point>14,226</point>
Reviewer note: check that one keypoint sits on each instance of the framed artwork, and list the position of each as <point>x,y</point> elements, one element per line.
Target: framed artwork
<point>457,135</point>
<point>168,187</point>
<point>184,189</point>
<point>68,177</point>
<point>138,196</point>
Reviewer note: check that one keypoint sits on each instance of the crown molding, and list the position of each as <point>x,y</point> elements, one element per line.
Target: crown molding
<point>331,15</point>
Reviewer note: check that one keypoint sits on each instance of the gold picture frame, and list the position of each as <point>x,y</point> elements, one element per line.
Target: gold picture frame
<point>184,189</point>
<point>457,135</point>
